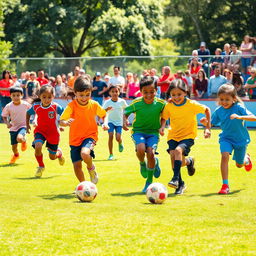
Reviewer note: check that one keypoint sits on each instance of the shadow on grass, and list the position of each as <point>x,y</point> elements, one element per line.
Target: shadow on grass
<point>57,197</point>
<point>128,194</point>
<point>216,194</point>
<point>36,178</point>
<point>104,160</point>
<point>9,165</point>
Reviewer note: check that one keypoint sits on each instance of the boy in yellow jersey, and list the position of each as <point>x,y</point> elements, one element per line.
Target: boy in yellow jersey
<point>83,134</point>
<point>183,129</point>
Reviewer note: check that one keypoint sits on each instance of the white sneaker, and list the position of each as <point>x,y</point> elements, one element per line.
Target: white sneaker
<point>93,176</point>
<point>39,171</point>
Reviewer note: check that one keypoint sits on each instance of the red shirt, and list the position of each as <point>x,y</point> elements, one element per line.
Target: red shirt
<point>42,81</point>
<point>5,84</point>
<point>165,86</point>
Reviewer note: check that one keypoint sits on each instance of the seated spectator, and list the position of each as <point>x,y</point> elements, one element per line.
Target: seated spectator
<point>60,87</point>
<point>215,82</point>
<point>246,48</point>
<point>238,82</point>
<point>165,80</point>
<point>235,58</point>
<point>194,55</point>
<point>216,61</point>
<point>251,84</point>
<point>15,80</point>
<point>226,55</point>
<point>201,85</point>
<point>195,66</point>
<point>229,75</point>
<point>64,79</point>
<point>133,88</point>
<point>33,85</point>
<point>202,51</point>
<point>189,79</point>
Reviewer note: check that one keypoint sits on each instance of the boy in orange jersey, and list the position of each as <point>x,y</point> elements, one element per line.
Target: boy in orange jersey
<point>80,116</point>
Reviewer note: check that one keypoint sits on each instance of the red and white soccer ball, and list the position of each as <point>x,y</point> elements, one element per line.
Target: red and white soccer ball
<point>156,193</point>
<point>86,191</point>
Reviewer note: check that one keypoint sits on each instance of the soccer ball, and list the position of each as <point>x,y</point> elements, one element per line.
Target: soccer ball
<point>86,191</point>
<point>156,193</point>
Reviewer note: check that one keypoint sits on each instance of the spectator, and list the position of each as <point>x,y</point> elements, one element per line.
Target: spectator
<point>118,80</point>
<point>194,68</point>
<point>251,84</point>
<point>235,58</point>
<point>99,87</point>
<point>201,85</point>
<point>152,73</point>
<point>81,72</point>
<point>194,55</point>
<point>216,61</point>
<point>229,75</point>
<point>64,79</point>
<point>238,82</point>
<point>128,80</point>
<point>215,82</point>
<point>133,89</point>
<point>202,51</point>
<point>107,78</point>
<point>33,86</point>
<point>72,79</point>
<point>226,53</point>
<point>60,88</point>
<point>164,81</point>
<point>41,78</point>
<point>24,80</point>
<point>15,80</point>
<point>246,48</point>
<point>189,79</point>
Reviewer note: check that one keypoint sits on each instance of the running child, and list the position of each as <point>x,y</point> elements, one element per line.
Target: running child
<point>230,115</point>
<point>46,129</point>
<point>145,130</point>
<point>183,129</point>
<point>80,115</point>
<point>114,119</point>
<point>14,116</point>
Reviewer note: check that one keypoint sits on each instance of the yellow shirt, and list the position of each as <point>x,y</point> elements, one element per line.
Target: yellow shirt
<point>84,125</point>
<point>183,123</point>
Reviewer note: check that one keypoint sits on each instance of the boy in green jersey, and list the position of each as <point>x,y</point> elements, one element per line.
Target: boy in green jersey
<point>145,128</point>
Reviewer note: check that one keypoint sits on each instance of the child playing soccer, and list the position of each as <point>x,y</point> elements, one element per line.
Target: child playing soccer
<point>234,136</point>
<point>80,115</point>
<point>145,131</point>
<point>114,120</point>
<point>183,129</point>
<point>46,129</point>
<point>14,116</point>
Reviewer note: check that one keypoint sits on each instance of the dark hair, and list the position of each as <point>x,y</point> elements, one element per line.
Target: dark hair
<point>82,84</point>
<point>16,89</point>
<point>43,89</point>
<point>229,89</point>
<point>147,80</point>
<point>114,86</point>
<point>6,72</point>
<point>202,71</point>
<point>179,84</point>
<point>117,67</point>
<point>233,45</point>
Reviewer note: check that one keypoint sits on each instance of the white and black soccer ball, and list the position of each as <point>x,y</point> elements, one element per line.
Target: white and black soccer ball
<point>156,193</point>
<point>86,191</point>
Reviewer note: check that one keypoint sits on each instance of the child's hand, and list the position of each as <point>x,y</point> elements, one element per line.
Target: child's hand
<point>62,129</point>
<point>68,122</point>
<point>9,125</point>
<point>161,131</point>
<point>203,121</point>
<point>207,133</point>
<point>234,116</point>
<point>169,100</point>
<point>108,108</point>
<point>105,127</point>
<point>28,129</point>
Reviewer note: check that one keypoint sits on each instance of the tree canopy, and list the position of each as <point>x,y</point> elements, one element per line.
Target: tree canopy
<point>70,28</point>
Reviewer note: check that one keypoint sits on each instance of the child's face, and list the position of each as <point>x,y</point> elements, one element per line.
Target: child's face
<point>83,97</point>
<point>114,93</point>
<point>16,97</point>
<point>178,96</point>
<point>148,93</point>
<point>226,100</point>
<point>46,98</point>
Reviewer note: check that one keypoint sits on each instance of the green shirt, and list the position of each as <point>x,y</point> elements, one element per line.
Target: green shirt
<point>147,116</point>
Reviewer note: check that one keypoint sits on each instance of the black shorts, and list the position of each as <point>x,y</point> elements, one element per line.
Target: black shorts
<point>184,144</point>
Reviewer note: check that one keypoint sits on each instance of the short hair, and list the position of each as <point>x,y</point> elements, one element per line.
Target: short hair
<point>16,89</point>
<point>113,87</point>
<point>179,84</point>
<point>82,83</point>
<point>117,67</point>
<point>233,45</point>
<point>147,80</point>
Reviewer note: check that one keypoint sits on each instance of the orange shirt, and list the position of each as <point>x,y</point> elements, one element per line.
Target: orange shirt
<point>71,81</point>
<point>84,125</point>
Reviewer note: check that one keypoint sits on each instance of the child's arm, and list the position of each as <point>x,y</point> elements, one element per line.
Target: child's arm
<point>7,122</point>
<point>161,130</point>
<point>65,123</point>
<point>27,122</point>
<point>207,131</point>
<point>125,123</point>
<point>251,118</point>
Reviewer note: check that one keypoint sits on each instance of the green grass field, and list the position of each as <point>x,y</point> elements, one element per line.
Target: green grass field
<point>42,216</point>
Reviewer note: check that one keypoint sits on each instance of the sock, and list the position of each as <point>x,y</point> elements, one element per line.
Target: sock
<point>188,161</point>
<point>150,174</point>
<point>246,160</point>
<point>176,169</point>
<point>58,154</point>
<point>225,182</point>
<point>17,154</point>
<point>142,163</point>
<point>92,168</point>
<point>180,179</point>
<point>39,159</point>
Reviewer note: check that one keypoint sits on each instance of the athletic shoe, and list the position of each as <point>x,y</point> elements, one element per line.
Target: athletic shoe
<point>61,157</point>
<point>143,170</point>
<point>120,147</point>
<point>190,167</point>
<point>24,146</point>
<point>174,183</point>
<point>248,165</point>
<point>39,171</point>
<point>180,190</point>
<point>111,157</point>
<point>157,171</point>
<point>144,190</point>
<point>224,189</point>
<point>93,175</point>
<point>14,159</point>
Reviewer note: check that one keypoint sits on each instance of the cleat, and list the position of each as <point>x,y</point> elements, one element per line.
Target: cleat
<point>174,183</point>
<point>144,190</point>
<point>143,170</point>
<point>120,147</point>
<point>93,175</point>
<point>61,157</point>
<point>224,189</point>
<point>157,171</point>
<point>24,146</point>
<point>180,190</point>
<point>111,157</point>
<point>14,159</point>
<point>39,171</point>
<point>190,167</point>
<point>248,165</point>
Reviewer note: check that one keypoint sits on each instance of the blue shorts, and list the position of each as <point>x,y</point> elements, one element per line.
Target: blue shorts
<point>184,144</point>
<point>52,148</point>
<point>14,135</point>
<point>239,151</point>
<point>112,127</point>
<point>150,140</point>
<point>75,151</point>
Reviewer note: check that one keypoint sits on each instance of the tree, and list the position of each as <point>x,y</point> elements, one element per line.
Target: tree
<point>71,28</point>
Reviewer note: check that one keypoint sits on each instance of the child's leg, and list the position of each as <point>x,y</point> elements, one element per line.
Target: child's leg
<point>118,130</point>
<point>85,154</point>
<point>38,153</point>
<point>151,164</point>
<point>21,138</point>
<point>15,150</point>
<point>242,158</point>
<point>224,165</point>
<point>79,171</point>
<point>110,142</point>
<point>140,152</point>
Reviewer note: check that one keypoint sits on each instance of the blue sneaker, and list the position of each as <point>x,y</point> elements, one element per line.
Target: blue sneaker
<point>144,190</point>
<point>157,171</point>
<point>143,170</point>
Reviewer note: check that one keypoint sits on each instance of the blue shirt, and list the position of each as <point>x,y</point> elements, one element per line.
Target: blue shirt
<point>233,131</point>
<point>215,83</point>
